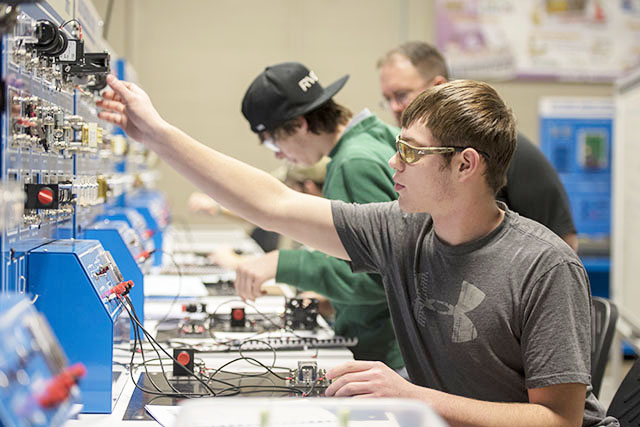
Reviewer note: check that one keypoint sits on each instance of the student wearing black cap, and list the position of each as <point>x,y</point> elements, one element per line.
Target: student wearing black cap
<point>297,118</point>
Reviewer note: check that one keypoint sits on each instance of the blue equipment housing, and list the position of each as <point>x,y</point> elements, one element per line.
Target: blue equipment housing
<point>125,247</point>
<point>152,205</point>
<point>133,219</point>
<point>72,280</point>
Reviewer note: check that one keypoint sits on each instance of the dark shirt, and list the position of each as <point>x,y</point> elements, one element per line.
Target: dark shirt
<point>535,191</point>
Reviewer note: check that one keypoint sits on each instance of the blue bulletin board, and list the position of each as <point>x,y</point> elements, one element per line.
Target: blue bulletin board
<point>576,136</point>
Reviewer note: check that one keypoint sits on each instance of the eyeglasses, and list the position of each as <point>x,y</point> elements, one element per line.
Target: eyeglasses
<point>410,154</point>
<point>271,145</point>
<point>400,98</point>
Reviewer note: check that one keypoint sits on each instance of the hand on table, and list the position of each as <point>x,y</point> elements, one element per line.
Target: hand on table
<point>367,379</point>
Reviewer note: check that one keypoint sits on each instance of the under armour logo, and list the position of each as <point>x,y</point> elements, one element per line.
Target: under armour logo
<point>463,328</point>
<point>308,81</point>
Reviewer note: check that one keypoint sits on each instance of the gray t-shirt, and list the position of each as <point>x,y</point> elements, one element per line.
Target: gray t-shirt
<point>487,319</point>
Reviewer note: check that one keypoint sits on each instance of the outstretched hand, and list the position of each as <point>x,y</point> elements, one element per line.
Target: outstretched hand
<point>368,379</point>
<point>128,106</point>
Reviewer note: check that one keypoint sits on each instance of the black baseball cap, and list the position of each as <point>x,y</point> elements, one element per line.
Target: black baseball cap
<point>282,92</point>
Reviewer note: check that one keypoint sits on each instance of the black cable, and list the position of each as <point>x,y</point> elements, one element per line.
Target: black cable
<point>136,320</point>
<point>231,390</point>
<point>279,326</point>
<point>138,339</point>
<point>144,364</point>
<point>230,387</point>
<point>64,24</point>
<point>164,374</point>
<point>250,360</point>
<point>255,375</point>
<point>273,350</point>
<point>153,341</point>
<point>263,389</point>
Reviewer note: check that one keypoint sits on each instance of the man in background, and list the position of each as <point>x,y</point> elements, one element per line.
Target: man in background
<point>533,187</point>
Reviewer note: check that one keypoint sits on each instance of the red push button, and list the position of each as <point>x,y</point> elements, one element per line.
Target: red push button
<point>45,196</point>
<point>183,358</point>
<point>237,313</point>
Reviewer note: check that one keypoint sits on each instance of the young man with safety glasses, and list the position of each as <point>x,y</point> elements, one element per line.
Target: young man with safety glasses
<point>491,309</point>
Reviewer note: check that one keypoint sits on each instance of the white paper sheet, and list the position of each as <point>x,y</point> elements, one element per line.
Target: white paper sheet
<point>165,415</point>
<point>158,285</point>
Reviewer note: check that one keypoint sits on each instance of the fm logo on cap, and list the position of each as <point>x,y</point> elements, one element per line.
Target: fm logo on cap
<point>308,81</point>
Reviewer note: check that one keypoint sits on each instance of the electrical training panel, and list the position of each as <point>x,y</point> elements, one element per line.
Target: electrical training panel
<point>80,226</point>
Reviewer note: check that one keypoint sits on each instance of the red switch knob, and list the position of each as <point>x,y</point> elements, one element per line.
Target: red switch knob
<point>45,196</point>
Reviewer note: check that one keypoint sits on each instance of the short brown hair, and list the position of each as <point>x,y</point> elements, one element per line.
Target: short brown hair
<point>324,119</point>
<point>426,58</point>
<point>467,113</point>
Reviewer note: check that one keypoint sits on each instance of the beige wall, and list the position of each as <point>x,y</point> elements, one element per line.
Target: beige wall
<point>197,57</point>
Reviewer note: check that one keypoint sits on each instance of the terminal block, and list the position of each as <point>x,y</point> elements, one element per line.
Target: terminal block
<point>301,313</point>
<point>194,328</point>
<point>309,378</point>
<point>86,190</point>
<point>38,124</point>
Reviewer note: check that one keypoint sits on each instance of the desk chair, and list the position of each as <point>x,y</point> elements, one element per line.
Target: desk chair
<point>603,328</point>
<point>625,405</point>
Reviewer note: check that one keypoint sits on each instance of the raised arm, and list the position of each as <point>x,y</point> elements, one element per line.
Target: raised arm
<point>251,193</point>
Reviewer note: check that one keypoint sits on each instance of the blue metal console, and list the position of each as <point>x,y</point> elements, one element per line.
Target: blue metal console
<point>72,280</point>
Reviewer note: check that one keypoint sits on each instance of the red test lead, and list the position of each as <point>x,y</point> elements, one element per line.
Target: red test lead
<point>144,255</point>
<point>122,288</point>
<point>60,386</point>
